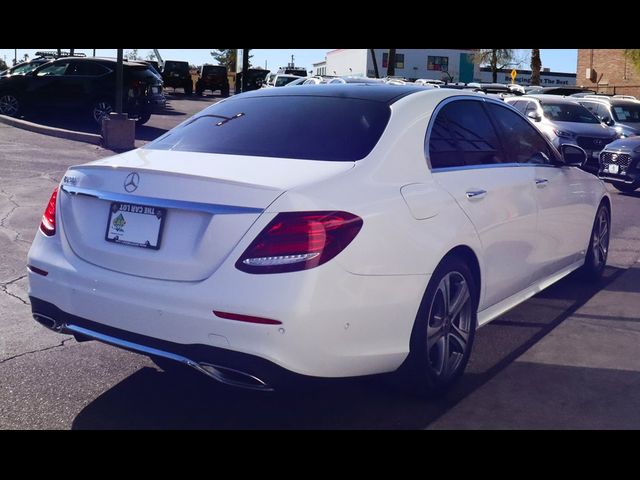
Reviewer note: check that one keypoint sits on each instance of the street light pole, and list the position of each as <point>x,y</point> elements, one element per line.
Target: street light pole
<point>119,75</point>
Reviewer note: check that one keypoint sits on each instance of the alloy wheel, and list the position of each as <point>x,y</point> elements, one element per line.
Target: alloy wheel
<point>449,326</point>
<point>101,110</point>
<point>9,105</point>
<point>600,242</point>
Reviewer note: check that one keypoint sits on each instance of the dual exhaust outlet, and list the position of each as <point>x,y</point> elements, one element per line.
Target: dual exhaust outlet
<point>225,375</point>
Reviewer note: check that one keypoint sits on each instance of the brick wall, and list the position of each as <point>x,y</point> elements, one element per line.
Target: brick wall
<point>615,74</point>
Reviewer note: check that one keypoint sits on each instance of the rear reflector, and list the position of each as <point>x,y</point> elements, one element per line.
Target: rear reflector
<point>296,241</point>
<point>246,318</point>
<point>39,271</point>
<point>48,223</point>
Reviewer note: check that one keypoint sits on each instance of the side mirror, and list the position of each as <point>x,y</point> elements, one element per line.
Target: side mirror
<point>607,120</point>
<point>535,116</point>
<point>573,155</point>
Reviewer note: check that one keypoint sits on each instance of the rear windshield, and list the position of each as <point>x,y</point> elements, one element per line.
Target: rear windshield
<point>176,66</point>
<point>297,127</point>
<point>626,112</point>
<point>214,70</point>
<point>568,112</point>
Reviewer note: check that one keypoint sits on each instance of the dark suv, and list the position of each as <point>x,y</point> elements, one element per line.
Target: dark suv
<point>84,84</point>
<point>213,77</point>
<point>254,79</point>
<point>177,74</point>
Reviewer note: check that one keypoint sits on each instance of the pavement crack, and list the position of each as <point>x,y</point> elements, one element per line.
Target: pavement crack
<point>5,284</point>
<point>61,344</point>
<point>3,288</point>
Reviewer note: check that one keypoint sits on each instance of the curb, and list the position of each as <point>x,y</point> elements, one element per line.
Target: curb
<point>52,131</point>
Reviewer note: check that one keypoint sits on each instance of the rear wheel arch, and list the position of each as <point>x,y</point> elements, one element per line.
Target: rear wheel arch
<point>468,256</point>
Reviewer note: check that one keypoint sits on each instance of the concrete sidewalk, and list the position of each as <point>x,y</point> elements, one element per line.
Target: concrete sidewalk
<point>584,374</point>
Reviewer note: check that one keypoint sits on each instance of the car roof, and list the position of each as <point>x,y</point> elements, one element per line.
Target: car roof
<point>110,60</point>
<point>375,92</point>
<point>549,98</point>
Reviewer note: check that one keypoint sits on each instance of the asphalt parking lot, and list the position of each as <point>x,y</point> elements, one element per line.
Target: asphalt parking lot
<point>567,358</point>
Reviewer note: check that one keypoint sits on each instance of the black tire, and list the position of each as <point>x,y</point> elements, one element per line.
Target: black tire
<point>441,343</point>
<point>143,118</point>
<point>625,187</point>
<point>101,108</point>
<point>224,93</point>
<point>188,88</point>
<point>597,253</point>
<point>10,104</point>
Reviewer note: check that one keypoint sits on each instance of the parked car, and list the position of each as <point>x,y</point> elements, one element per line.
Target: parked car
<point>213,77</point>
<point>565,121</point>
<point>41,58</point>
<point>308,232</point>
<point>620,164</point>
<point>280,80</point>
<point>83,84</point>
<point>155,66</point>
<point>177,74</point>
<point>566,90</point>
<point>255,77</point>
<point>622,114</point>
<point>428,81</point>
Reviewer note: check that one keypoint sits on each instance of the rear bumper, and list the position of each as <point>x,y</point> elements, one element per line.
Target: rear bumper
<point>334,323</point>
<point>229,367</point>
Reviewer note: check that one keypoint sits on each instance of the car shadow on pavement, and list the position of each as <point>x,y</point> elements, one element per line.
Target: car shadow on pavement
<point>151,399</point>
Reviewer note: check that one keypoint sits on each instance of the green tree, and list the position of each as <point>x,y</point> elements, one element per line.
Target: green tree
<point>151,55</point>
<point>227,57</point>
<point>132,55</point>
<point>633,54</point>
<point>3,65</point>
<point>536,66</point>
<point>496,58</point>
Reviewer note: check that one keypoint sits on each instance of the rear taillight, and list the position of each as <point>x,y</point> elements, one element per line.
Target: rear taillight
<point>298,241</point>
<point>48,223</point>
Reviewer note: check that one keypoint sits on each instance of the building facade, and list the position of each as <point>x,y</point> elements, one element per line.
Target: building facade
<point>436,64</point>
<point>448,65</point>
<point>523,77</point>
<point>607,70</point>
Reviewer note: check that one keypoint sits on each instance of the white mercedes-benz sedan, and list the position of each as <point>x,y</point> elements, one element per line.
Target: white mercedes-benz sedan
<point>318,231</point>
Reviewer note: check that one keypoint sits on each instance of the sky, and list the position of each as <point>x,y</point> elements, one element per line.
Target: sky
<point>558,60</point>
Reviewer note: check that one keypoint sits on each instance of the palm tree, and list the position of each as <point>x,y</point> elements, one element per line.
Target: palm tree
<point>536,65</point>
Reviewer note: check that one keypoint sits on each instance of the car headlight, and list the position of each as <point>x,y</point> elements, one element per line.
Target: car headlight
<point>563,134</point>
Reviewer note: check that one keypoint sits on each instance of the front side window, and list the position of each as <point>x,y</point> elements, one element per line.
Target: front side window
<point>438,64</point>
<point>521,141</point>
<point>55,69</point>
<point>568,112</point>
<point>462,135</point>
<point>295,127</point>
<point>87,68</point>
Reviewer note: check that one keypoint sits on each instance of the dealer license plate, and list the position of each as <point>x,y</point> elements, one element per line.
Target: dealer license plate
<point>135,225</point>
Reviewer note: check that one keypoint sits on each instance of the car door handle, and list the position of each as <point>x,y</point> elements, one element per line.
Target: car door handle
<point>541,182</point>
<point>476,194</point>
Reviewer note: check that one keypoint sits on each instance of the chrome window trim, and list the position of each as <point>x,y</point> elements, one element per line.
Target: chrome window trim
<point>504,104</point>
<point>211,208</point>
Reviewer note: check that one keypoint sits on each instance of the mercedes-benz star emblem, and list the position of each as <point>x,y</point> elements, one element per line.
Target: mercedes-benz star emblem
<point>131,182</point>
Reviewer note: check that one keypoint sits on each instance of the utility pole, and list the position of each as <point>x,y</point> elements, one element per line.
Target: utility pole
<point>375,63</point>
<point>15,56</point>
<point>391,65</point>
<point>94,52</point>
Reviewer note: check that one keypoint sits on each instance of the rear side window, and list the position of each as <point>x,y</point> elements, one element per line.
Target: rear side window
<point>214,70</point>
<point>176,67</point>
<point>297,127</point>
<point>521,141</point>
<point>91,69</point>
<point>463,135</point>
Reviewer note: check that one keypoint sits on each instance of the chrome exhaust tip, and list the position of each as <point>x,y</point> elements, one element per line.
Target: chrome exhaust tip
<point>48,322</point>
<point>232,377</point>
